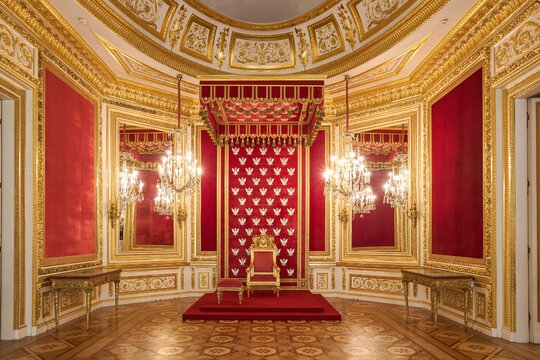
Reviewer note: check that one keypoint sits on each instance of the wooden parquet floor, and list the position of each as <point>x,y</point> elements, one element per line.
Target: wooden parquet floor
<point>368,331</point>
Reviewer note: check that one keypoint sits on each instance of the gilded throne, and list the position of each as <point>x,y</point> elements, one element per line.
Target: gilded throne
<point>263,270</point>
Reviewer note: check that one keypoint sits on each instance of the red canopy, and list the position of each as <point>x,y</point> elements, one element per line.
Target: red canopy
<point>262,110</point>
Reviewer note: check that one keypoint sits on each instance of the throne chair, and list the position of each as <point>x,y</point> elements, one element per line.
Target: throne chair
<point>263,270</point>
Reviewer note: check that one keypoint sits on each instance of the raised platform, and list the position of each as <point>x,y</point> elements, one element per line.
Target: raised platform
<point>263,305</point>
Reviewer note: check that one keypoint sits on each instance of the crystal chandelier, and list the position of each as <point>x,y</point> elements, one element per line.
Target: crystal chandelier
<point>177,173</point>
<point>347,177</point>
<point>130,187</point>
<point>164,200</point>
<point>396,188</point>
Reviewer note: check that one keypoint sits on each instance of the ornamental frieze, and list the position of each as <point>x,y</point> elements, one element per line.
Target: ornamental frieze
<point>17,49</point>
<point>373,15</point>
<point>198,39</point>
<point>326,39</point>
<point>520,42</point>
<point>262,52</point>
<point>153,16</point>
<point>147,283</point>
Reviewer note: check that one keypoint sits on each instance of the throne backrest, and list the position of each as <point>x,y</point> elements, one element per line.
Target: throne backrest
<point>263,253</point>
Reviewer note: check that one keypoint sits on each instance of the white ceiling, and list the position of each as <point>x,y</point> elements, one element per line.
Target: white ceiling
<point>262,11</point>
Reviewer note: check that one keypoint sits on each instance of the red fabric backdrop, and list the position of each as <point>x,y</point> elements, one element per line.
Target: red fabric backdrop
<point>262,197</point>
<point>208,193</point>
<point>70,209</point>
<point>151,227</point>
<point>317,225</point>
<point>456,197</point>
<point>377,227</point>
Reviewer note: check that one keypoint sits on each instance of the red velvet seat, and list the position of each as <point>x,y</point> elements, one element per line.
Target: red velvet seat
<point>263,270</point>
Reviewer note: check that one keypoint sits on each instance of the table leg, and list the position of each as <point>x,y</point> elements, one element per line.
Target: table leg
<point>116,296</point>
<point>240,295</point>
<point>406,293</point>
<point>88,306</point>
<point>466,292</point>
<point>56,296</point>
<point>435,304</point>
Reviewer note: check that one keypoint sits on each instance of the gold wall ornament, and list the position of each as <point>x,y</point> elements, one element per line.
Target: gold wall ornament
<point>303,48</point>
<point>181,215</point>
<point>521,41</point>
<point>177,27</point>
<point>198,39</point>
<point>153,16</point>
<point>343,216</point>
<point>413,213</point>
<point>326,39</point>
<point>17,48</point>
<point>113,213</point>
<point>220,47</point>
<point>265,52</point>
<point>346,22</point>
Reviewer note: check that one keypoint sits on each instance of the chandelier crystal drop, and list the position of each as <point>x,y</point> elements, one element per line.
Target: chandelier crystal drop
<point>348,178</point>
<point>178,173</point>
<point>396,188</point>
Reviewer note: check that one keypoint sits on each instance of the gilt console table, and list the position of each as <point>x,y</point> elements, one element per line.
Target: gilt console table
<point>85,280</point>
<point>435,280</point>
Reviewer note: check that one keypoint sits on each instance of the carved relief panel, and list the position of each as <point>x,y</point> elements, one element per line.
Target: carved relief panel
<point>262,52</point>
<point>326,39</point>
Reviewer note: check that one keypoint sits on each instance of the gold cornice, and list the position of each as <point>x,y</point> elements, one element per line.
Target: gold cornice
<point>213,14</point>
<point>69,45</point>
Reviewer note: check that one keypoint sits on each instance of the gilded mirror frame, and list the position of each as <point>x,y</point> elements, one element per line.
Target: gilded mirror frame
<point>159,255</point>
<point>406,249</point>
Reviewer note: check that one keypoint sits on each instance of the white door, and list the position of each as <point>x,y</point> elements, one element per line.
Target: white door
<point>534,217</point>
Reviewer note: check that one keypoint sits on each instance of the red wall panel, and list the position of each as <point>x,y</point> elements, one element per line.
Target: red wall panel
<point>456,197</point>
<point>208,193</point>
<point>317,225</point>
<point>70,210</point>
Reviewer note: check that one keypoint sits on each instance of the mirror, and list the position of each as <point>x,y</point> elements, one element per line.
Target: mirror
<point>385,151</point>
<point>141,227</point>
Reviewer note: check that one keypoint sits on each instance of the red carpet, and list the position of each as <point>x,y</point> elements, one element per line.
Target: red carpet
<point>263,305</point>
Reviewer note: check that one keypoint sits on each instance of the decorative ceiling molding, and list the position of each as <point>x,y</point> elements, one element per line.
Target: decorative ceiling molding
<point>325,44</point>
<point>372,15</point>
<point>268,52</point>
<point>326,39</point>
<point>385,70</point>
<point>138,69</point>
<point>213,14</point>
<point>152,15</point>
<point>198,39</point>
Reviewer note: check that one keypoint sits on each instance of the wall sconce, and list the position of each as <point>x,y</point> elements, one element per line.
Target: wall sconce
<point>343,216</point>
<point>181,215</point>
<point>114,213</point>
<point>413,213</point>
